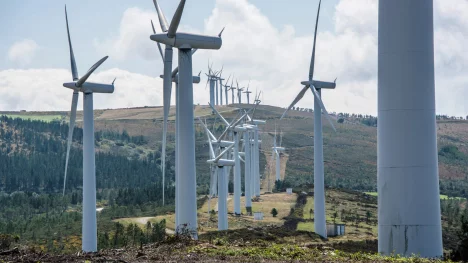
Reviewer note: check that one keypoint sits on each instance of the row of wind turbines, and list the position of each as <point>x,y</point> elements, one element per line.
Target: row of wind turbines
<point>217,88</point>
<point>226,153</point>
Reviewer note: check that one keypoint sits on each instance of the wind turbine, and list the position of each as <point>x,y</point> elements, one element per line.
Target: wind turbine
<point>211,80</point>
<point>236,129</point>
<point>174,78</point>
<point>256,155</point>
<point>276,153</point>
<point>186,186</point>
<point>89,230</point>
<point>247,92</point>
<point>220,162</point>
<point>247,169</point>
<point>239,93</point>
<point>220,87</point>
<point>226,89</point>
<point>232,88</point>
<point>319,185</point>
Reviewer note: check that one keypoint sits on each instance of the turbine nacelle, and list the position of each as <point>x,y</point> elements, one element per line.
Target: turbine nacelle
<point>222,143</point>
<point>319,84</point>
<point>195,79</point>
<point>186,40</point>
<point>279,149</point>
<point>222,162</point>
<point>258,122</point>
<point>90,87</point>
<point>239,129</point>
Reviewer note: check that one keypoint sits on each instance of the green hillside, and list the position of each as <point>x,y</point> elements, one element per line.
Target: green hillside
<point>350,153</point>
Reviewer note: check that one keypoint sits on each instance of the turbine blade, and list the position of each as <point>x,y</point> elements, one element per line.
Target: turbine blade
<point>74,70</point>
<point>211,134</point>
<point>281,138</point>
<point>223,153</point>
<point>274,142</point>
<point>176,20</point>
<point>317,96</point>
<point>312,60</point>
<point>212,155</point>
<point>220,116</point>
<point>90,71</point>
<point>221,33</point>
<point>162,18</point>
<point>70,134</point>
<point>232,124</point>
<point>296,100</point>
<point>159,45</point>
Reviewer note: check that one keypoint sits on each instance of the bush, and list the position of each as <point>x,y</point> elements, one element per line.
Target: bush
<point>274,212</point>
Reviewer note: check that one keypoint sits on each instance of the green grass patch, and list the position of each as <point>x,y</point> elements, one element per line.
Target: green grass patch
<point>442,197</point>
<point>306,226</point>
<point>45,118</point>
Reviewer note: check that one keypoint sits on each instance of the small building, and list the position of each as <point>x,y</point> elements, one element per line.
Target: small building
<point>258,216</point>
<point>289,191</point>
<point>334,230</point>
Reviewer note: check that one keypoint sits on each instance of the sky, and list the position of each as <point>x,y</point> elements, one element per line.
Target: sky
<point>266,42</point>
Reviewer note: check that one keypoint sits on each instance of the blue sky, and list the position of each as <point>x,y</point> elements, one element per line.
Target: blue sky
<point>268,42</point>
<point>44,22</point>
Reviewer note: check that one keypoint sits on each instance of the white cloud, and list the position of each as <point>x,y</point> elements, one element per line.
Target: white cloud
<point>23,52</point>
<point>41,89</point>
<point>276,60</point>
<point>133,38</point>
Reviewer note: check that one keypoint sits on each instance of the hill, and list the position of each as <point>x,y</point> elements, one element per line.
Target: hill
<point>350,153</point>
<point>32,152</point>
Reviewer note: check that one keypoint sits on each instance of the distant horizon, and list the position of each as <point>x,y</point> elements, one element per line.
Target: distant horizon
<point>36,60</point>
<point>206,105</point>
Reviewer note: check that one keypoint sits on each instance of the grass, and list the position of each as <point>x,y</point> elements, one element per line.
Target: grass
<point>442,197</point>
<point>306,226</point>
<point>345,205</point>
<point>45,118</point>
<point>281,201</point>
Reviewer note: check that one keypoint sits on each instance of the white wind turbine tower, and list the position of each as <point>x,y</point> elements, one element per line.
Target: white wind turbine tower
<point>186,182</point>
<point>256,156</point>
<point>255,148</point>
<point>174,78</point>
<point>220,87</point>
<point>226,89</point>
<point>248,168</point>
<point>89,228</point>
<point>221,163</point>
<point>232,89</point>
<point>277,150</point>
<point>407,173</point>
<point>319,185</point>
<point>211,80</point>
<point>247,92</point>
<point>239,93</point>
